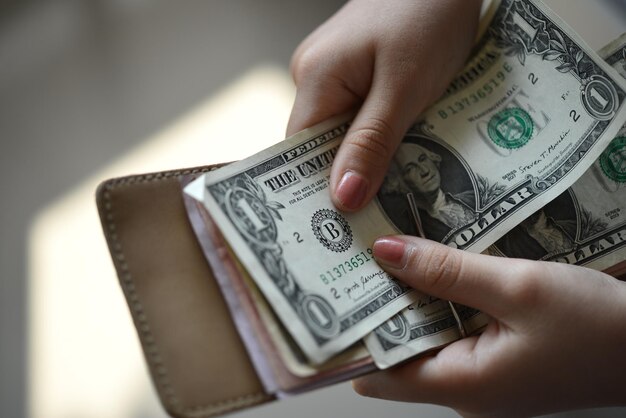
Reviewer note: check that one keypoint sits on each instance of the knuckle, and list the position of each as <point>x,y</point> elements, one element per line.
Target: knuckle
<point>304,62</point>
<point>524,286</point>
<point>440,268</point>
<point>373,139</point>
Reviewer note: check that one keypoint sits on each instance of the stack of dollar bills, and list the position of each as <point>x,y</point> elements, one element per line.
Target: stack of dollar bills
<point>524,156</point>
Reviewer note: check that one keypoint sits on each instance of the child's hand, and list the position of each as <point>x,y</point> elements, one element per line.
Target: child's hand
<point>390,58</point>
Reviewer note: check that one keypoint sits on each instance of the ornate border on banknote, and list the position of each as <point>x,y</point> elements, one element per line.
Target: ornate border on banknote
<point>521,29</point>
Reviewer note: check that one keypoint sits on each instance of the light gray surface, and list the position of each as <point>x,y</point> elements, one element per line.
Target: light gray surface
<point>81,82</point>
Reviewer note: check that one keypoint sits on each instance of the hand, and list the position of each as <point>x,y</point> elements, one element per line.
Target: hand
<point>392,59</point>
<point>555,342</point>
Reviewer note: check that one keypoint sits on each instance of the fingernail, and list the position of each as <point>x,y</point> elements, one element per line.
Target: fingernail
<point>390,251</point>
<point>351,190</point>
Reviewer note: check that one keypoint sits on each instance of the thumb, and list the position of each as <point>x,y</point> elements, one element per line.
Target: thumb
<point>487,283</point>
<point>363,158</point>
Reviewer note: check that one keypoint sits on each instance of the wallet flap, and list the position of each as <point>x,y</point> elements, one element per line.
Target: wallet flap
<point>197,360</point>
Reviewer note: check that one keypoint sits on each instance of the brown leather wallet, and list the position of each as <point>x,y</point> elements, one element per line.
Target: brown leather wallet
<point>197,361</point>
<point>196,357</point>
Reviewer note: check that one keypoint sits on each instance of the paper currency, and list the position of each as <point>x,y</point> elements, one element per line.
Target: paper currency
<point>532,110</point>
<point>420,328</point>
<point>586,225</point>
<point>425,325</point>
<point>527,116</point>
<point>313,263</point>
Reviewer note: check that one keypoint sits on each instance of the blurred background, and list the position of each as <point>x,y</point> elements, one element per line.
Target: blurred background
<point>98,88</point>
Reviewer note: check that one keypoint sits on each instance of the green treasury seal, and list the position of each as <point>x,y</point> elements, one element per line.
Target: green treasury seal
<point>510,128</point>
<point>613,160</point>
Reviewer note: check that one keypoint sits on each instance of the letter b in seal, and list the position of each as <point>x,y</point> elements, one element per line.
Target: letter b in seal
<point>331,230</point>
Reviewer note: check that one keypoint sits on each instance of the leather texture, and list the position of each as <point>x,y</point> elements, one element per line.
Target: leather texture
<point>195,356</point>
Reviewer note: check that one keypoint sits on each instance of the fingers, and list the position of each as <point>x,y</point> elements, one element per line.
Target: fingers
<point>318,100</point>
<point>376,132</point>
<point>427,379</point>
<point>390,69</point>
<point>394,384</point>
<point>322,90</point>
<point>331,79</point>
<point>538,310</point>
<point>390,106</point>
<point>493,285</point>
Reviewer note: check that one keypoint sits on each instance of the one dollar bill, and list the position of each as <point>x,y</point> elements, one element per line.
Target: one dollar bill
<point>585,225</point>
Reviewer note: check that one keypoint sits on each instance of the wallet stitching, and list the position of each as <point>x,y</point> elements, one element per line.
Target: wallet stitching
<point>151,349</point>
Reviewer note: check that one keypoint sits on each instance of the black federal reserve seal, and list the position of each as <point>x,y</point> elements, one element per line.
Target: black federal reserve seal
<point>332,230</point>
